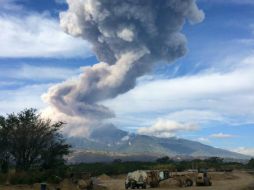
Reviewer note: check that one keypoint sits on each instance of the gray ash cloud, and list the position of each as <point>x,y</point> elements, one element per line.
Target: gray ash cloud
<point>128,37</point>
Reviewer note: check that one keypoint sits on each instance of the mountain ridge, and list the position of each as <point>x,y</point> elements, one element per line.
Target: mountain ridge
<point>110,139</point>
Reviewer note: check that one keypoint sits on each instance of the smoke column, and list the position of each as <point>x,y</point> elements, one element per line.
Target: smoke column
<point>128,37</point>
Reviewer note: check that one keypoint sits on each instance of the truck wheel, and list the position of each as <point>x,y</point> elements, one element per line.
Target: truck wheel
<point>144,186</point>
<point>188,183</point>
<point>206,182</point>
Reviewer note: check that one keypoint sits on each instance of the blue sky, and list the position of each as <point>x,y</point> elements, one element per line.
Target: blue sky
<point>208,95</point>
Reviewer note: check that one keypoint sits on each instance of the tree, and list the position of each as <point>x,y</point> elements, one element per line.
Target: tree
<point>164,159</point>
<point>4,154</point>
<point>33,141</point>
<point>251,163</point>
<point>215,160</point>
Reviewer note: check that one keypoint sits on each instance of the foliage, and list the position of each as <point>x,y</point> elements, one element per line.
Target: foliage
<point>4,153</point>
<point>3,178</point>
<point>164,159</point>
<point>251,163</point>
<point>31,142</point>
<point>36,176</point>
<point>116,168</point>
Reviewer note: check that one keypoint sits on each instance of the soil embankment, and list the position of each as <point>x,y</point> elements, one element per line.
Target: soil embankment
<point>221,181</point>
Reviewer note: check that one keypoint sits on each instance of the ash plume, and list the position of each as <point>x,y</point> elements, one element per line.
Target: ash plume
<point>128,37</point>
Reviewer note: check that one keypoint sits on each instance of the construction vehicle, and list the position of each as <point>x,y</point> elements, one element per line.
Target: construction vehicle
<point>152,178</point>
<point>203,179</point>
<point>142,179</point>
<point>136,179</point>
<point>183,180</point>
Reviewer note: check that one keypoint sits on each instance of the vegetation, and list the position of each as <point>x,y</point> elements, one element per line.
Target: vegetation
<point>32,145</point>
<point>116,168</point>
<point>251,164</point>
<point>34,149</point>
<point>164,159</point>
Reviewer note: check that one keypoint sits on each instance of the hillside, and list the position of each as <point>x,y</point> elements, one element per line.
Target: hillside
<point>109,142</point>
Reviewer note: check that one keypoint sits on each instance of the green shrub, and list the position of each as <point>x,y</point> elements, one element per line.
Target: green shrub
<point>27,178</point>
<point>36,176</point>
<point>3,179</point>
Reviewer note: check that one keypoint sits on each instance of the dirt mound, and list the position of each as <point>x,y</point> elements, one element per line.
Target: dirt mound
<point>99,187</point>
<point>104,177</point>
<point>250,187</point>
<point>37,186</point>
<point>67,185</point>
<point>223,176</point>
<point>121,176</point>
<point>169,183</point>
<point>17,187</point>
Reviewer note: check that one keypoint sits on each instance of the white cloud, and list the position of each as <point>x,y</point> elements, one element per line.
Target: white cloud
<point>203,140</point>
<point>19,99</point>
<point>244,150</point>
<point>225,97</point>
<point>14,101</point>
<point>166,128</point>
<point>74,124</point>
<point>4,84</point>
<point>197,116</point>
<point>37,36</point>
<point>39,72</point>
<point>221,136</point>
<point>10,6</point>
<point>125,138</point>
<point>246,2</point>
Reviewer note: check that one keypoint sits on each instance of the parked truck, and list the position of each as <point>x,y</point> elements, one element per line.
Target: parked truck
<point>152,178</point>
<point>143,179</point>
<point>203,179</point>
<point>136,179</point>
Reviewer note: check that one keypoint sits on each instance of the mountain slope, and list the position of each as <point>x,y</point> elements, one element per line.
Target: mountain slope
<point>113,140</point>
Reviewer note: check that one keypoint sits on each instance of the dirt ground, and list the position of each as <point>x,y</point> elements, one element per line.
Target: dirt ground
<point>221,181</point>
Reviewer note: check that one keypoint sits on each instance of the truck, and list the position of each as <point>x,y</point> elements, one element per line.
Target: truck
<point>143,179</point>
<point>203,179</point>
<point>152,178</point>
<point>136,179</point>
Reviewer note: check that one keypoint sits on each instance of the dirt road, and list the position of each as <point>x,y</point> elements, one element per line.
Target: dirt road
<point>221,181</point>
<point>235,181</point>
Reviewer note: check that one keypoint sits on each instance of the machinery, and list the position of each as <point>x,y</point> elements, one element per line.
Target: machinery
<point>203,179</point>
<point>142,179</point>
<point>136,179</point>
<point>152,178</point>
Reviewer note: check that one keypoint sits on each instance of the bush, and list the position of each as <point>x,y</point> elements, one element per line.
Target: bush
<point>28,178</point>
<point>3,179</point>
<point>36,176</point>
<point>250,165</point>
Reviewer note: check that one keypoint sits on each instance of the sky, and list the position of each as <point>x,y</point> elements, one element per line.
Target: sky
<point>206,96</point>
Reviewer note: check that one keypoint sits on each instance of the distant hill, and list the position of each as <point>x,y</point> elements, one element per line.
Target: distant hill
<point>109,143</point>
